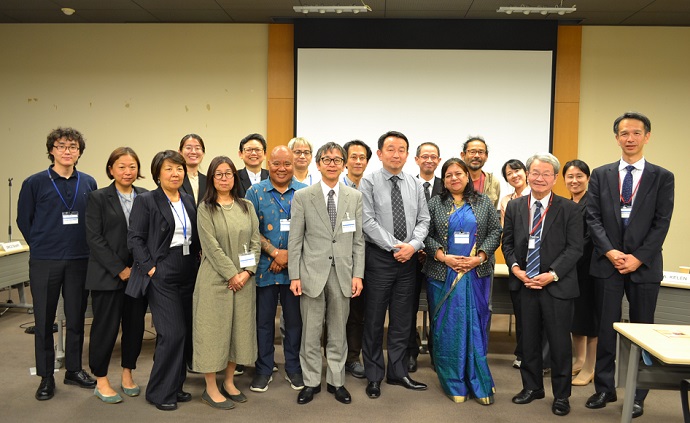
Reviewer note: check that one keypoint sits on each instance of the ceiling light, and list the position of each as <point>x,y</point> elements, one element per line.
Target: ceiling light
<point>68,11</point>
<point>544,10</point>
<point>332,9</point>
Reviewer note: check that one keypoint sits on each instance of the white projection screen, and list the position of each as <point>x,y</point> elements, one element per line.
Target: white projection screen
<point>442,96</point>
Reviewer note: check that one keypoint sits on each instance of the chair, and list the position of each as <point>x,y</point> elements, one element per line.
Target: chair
<point>684,385</point>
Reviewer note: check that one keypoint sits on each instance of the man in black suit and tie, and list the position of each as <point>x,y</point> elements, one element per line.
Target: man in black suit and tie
<point>252,152</point>
<point>627,244</point>
<point>428,159</point>
<point>542,242</point>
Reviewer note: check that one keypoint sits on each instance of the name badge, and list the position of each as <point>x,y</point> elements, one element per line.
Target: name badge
<point>185,247</point>
<point>284,225</point>
<point>70,218</point>
<point>247,260</point>
<point>532,243</point>
<point>460,237</point>
<point>348,226</point>
<point>625,212</point>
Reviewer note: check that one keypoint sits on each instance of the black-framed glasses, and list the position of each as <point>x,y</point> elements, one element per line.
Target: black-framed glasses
<point>62,147</point>
<point>337,160</point>
<point>250,150</point>
<point>219,175</point>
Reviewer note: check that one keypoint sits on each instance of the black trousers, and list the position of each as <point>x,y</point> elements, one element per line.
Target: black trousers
<point>355,327</point>
<point>48,278</point>
<point>390,286</point>
<point>266,306</point>
<point>112,309</point>
<point>545,352</point>
<point>170,298</point>
<point>609,295</point>
<point>542,312</point>
<point>414,340</point>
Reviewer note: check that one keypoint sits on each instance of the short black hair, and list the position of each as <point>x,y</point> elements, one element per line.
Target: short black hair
<point>514,164</point>
<point>360,143</point>
<point>70,134</point>
<point>474,138</point>
<point>633,115</point>
<point>256,137</point>
<point>419,148</point>
<point>159,158</point>
<point>395,134</point>
<point>578,164</point>
<point>328,147</point>
<point>116,154</point>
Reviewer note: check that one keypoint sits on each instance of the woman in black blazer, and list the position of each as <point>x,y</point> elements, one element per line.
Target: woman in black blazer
<point>165,245</point>
<point>193,149</point>
<point>110,262</point>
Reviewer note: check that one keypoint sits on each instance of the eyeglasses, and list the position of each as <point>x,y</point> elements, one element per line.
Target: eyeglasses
<point>327,160</point>
<point>196,149</point>
<point>253,150</point>
<point>475,152</point>
<point>432,157</point>
<point>536,175</point>
<point>457,175</point>
<point>62,147</point>
<point>298,153</point>
<point>219,175</point>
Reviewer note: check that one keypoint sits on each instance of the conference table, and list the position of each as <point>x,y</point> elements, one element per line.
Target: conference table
<point>669,344</point>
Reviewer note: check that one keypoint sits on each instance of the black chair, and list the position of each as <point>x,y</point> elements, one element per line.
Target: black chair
<point>684,385</point>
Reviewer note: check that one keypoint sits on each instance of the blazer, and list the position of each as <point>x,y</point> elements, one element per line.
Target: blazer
<point>648,224</point>
<point>187,186</point>
<point>106,234</point>
<point>314,246</point>
<point>438,186</point>
<point>488,234</point>
<point>561,243</point>
<point>245,183</point>
<point>151,227</point>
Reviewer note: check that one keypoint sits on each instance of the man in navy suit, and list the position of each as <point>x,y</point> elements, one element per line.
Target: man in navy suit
<point>252,152</point>
<point>629,214</point>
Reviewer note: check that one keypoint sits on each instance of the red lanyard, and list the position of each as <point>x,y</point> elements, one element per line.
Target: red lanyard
<point>543,215</point>
<point>628,202</point>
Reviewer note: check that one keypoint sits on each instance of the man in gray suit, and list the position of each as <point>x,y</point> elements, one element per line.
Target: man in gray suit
<point>326,248</point>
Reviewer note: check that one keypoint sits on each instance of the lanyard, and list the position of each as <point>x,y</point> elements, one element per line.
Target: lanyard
<point>628,202</point>
<point>76,191</point>
<point>286,209</point>
<point>543,215</point>
<point>184,216</point>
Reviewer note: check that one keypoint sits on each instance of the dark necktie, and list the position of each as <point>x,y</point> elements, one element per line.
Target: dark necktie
<point>533,260</point>
<point>331,208</point>
<point>399,224</point>
<point>426,191</point>
<point>626,191</point>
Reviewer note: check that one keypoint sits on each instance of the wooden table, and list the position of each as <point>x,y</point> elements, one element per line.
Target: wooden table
<point>672,352</point>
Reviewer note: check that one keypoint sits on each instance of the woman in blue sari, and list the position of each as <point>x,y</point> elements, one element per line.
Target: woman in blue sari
<point>463,234</point>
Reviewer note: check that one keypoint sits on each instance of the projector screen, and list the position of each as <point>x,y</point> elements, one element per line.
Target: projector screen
<point>441,96</point>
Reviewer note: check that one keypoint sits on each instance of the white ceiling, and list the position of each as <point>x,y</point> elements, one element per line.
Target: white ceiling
<point>589,12</point>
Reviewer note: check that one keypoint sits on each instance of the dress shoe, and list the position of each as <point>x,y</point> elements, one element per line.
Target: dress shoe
<point>638,408</point>
<point>408,383</point>
<point>307,394</point>
<point>237,398</point>
<point>166,407</point>
<point>599,399</point>
<point>183,396</point>
<point>113,399</point>
<point>374,389</point>
<point>46,389</point>
<point>560,407</point>
<point>412,364</point>
<point>341,394</point>
<point>356,369</point>
<point>222,405</point>
<point>80,378</point>
<point>528,395</point>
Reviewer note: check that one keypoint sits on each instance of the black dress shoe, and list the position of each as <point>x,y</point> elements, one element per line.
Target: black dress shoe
<point>80,378</point>
<point>307,394</point>
<point>341,394</point>
<point>166,407</point>
<point>599,399</point>
<point>183,396</point>
<point>408,383</point>
<point>638,408</point>
<point>412,364</point>
<point>46,389</point>
<point>560,407</point>
<point>528,395</point>
<point>374,389</point>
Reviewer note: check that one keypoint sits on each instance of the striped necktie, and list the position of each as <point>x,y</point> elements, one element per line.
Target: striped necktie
<point>533,261</point>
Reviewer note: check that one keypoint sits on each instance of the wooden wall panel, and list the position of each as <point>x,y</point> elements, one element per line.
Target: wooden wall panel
<point>281,85</point>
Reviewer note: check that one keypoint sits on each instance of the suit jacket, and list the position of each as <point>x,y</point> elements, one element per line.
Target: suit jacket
<point>151,227</point>
<point>561,243</point>
<point>187,186</point>
<point>647,226</point>
<point>314,245</point>
<point>437,188</point>
<point>245,183</point>
<point>106,234</point>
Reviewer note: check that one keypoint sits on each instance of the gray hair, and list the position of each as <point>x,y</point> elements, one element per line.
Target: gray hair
<point>300,141</point>
<point>546,158</point>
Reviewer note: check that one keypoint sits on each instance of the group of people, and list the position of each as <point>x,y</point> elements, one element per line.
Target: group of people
<point>208,255</point>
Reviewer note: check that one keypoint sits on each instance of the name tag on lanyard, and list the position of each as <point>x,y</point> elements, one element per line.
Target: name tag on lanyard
<point>284,225</point>
<point>625,212</point>
<point>460,237</point>
<point>70,218</point>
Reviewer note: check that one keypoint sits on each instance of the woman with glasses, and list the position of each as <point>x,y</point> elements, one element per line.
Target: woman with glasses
<point>192,149</point>
<point>224,307</point>
<point>110,264</point>
<point>585,326</point>
<point>464,232</point>
<point>302,149</point>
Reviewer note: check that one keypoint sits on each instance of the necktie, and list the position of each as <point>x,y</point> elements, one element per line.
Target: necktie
<point>626,191</point>
<point>399,224</point>
<point>426,191</point>
<point>533,260</point>
<point>331,208</point>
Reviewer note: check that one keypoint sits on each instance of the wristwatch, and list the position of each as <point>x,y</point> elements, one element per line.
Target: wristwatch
<point>555,276</point>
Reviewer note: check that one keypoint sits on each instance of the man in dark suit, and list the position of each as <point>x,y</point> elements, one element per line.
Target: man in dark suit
<point>252,152</point>
<point>542,242</point>
<point>428,159</point>
<point>627,244</point>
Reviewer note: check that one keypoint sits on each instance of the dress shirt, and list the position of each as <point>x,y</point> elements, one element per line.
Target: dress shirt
<point>126,202</point>
<point>544,208</point>
<point>269,213</point>
<point>347,181</point>
<point>182,224</point>
<point>431,183</point>
<point>254,178</point>
<point>194,182</point>
<point>636,174</point>
<point>309,180</point>
<point>326,189</point>
<point>377,219</point>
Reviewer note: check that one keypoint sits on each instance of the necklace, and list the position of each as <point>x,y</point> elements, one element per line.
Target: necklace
<point>228,208</point>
